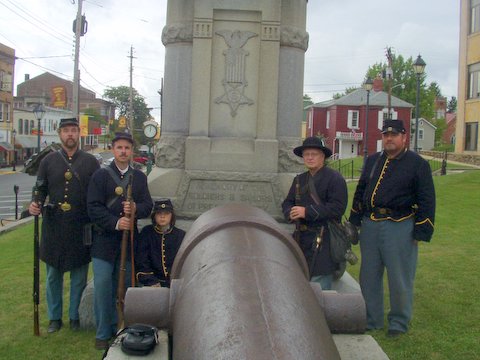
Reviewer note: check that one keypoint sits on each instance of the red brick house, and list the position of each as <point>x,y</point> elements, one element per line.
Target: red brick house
<point>342,121</point>
<point>449,133</point>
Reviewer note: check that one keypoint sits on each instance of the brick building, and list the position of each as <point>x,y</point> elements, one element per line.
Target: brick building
<point>342,121</point>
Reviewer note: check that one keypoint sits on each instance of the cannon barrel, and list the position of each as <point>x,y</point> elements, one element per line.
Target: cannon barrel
<point>239,290</point>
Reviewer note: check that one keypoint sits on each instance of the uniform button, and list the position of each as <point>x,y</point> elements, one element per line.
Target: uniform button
<point>66,196</point>
<point>66,183</point>
<point>66,189</point>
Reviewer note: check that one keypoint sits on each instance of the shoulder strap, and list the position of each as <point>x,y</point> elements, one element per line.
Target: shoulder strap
<point>312,190</point>
<point>69,166</point>
<point>120,182</point>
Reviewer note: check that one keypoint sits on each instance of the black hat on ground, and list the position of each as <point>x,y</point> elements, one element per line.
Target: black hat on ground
<point>123,136</point>
<point>313,142</point>
<point>68,121</point>
<point>394,126</point>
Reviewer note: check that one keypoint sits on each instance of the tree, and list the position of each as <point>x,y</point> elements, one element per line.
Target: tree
<point>404,74</point>
<point>452,105</point>
<point>119,96</point>
<point>347,91</point>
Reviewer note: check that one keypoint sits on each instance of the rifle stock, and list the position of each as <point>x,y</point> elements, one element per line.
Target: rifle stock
<point>36,269</point>
<point>123,259</point>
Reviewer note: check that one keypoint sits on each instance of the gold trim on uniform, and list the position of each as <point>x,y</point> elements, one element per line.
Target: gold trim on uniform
<point>427,220</point>
<point>382,173</point>
<point>119,190</point>
<point>372,217</point>
<point>68,175</point>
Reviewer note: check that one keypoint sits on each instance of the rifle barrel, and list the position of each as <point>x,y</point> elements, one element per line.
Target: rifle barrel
<point>36,270</point>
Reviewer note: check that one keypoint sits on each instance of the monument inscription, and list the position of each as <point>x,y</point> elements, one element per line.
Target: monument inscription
<point>203,195</point>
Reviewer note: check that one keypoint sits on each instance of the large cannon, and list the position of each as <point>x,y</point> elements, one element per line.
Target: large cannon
<point>240,290</point>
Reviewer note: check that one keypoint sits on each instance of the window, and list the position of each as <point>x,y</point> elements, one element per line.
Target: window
<point>327,125</point>
<point>6,112</point>
<point>20,127</point>
<point>473,81</point>
<point>474,16</point>
<point>420,134</point>
<point>310,118</point>
<point>1,111</point>
<point>352,119</point>
<point>32,125</point>
<point>26,128</point>
<point>471,136</point>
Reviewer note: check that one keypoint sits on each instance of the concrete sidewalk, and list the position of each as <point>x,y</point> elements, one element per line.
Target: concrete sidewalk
<point>9,170</point>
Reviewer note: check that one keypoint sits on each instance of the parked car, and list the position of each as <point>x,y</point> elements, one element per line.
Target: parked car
<point>141,159</point>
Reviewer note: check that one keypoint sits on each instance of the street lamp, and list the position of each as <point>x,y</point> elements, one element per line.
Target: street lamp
<point>14,133</point>
<point>419,68</point>
<point>368,86</point>
<point>38,111</point>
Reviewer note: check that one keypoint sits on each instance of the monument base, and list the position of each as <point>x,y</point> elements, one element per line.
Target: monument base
<point>193,192</point>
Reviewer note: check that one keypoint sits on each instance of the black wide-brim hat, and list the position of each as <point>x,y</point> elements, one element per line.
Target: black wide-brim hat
<point>68,121</point>
<point>123,136</point>
<point>312,142</point>
<point>394,126</point>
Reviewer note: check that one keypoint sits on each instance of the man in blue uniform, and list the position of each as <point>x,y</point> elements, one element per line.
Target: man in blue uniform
<point>110,212</point>
<point>63,176</point>
<point>322,197</point>
<point>394,204</point>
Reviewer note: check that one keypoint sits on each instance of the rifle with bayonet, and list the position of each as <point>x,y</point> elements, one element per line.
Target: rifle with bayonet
<point>123,259</point>
<point>36,267</point>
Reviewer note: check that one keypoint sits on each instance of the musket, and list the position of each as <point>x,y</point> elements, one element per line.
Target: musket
<point>297,203</point>
<point>36,268</point>
<point>132,252</point>
<point>123,259</point>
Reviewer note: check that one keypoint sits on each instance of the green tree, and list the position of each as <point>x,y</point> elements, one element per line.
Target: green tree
<point>120,96</point>
<point>94,114</point>
<point>452,105</point>
<point>348,90</point>
<point>404,74</point>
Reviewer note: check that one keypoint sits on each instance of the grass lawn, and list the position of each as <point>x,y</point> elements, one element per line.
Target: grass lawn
<point>446,320</point>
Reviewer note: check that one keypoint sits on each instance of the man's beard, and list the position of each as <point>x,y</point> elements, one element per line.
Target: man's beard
<point>70,144</point>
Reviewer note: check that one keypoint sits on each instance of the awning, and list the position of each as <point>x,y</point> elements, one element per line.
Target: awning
<point>27,142</point>
<point>5,146</point>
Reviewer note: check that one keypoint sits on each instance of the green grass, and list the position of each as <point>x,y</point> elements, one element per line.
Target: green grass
<point>446,319</point>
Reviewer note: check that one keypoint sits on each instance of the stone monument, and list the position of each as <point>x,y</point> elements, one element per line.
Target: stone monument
<point>232,103</point>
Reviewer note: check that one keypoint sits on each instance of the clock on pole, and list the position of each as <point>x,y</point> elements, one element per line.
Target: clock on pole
<point>150,130</point>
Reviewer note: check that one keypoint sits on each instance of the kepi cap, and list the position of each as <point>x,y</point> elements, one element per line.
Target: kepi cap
<point>312,142</point>
<point>67,122</point>
<point>123,136</point>
<point>394,126</point>
<point>163,205</point>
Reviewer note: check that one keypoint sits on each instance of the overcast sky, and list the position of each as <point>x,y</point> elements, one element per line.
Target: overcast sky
<point>346,37</point>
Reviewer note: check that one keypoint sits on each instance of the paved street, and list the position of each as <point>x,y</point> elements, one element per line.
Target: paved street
<point>8,179</point>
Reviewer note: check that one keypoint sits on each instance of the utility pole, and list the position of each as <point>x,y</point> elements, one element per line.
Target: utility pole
<point>79,28</point>
<point>130,97</point>
<point>389,75</point>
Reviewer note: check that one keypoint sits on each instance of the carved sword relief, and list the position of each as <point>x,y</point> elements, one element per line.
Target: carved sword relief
<point>234,82</point>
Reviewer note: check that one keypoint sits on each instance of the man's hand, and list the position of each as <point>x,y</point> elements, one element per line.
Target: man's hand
<point>297,212</point>
<point>34,209</point>
<point>129,207</point>
<point>123,223</point>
